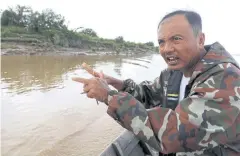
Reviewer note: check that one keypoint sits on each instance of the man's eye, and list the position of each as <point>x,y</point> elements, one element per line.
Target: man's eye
<point>177,38</point>
<point>160,42</point>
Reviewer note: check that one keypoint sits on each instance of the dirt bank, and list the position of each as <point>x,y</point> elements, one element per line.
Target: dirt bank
<point>14,48</point>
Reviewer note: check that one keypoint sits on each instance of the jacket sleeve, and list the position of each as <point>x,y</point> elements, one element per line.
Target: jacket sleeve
<point>149,93</point>
<point>208,117</point>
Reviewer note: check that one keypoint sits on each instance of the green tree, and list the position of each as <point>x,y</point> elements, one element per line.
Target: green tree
<point>23,13</point>
<point>24,16</point>
<point>36,22</point>
<point>151,44</point>
<point>89,32</point>
<point>119,39</point>
<point>52,20</point>
<point>18,16</point>
<point>8,18</point>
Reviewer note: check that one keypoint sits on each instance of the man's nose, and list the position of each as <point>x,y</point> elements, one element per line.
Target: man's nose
<point>166,48</point>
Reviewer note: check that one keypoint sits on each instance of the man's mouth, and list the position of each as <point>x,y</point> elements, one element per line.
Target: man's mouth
<point>172,60</point>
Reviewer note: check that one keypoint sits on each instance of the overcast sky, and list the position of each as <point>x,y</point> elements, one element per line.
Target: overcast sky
<point>137,20</point>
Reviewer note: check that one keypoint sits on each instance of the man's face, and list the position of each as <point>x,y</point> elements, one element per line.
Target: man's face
<point>177,43</point>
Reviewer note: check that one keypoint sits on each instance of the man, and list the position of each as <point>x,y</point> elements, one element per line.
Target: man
<point>207,120</point>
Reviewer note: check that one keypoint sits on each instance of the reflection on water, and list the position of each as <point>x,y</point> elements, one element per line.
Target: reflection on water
<point>43,112</point>
<point>25,73</point>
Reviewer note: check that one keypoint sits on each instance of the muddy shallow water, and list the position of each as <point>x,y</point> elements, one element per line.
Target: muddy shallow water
<point>43,112</point>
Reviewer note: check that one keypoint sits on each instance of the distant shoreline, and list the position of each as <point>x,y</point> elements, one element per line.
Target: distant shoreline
<point>15,48</point>
<point>28,32</point>
<point>17,40</point>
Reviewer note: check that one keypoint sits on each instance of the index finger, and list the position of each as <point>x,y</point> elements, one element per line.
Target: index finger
<point>81,80</point>
<point>89,69</point>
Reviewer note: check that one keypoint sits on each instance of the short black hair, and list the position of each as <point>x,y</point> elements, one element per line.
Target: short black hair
<point>193,18</point>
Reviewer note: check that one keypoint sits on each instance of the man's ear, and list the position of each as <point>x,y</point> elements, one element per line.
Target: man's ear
<point>201,40</point>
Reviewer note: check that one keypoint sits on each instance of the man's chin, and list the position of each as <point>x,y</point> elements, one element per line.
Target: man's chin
<point>176,67</point>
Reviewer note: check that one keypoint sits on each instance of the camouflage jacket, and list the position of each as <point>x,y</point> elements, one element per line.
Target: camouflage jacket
<point>164,91</point>
<point>206,121</point>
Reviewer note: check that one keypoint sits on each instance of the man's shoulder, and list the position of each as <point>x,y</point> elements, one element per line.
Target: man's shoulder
<point>220,76</point>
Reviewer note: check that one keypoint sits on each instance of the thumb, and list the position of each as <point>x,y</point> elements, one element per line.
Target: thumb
<point>101,75</point>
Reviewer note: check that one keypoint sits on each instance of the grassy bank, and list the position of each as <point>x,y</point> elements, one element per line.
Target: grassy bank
<point>46,30</point>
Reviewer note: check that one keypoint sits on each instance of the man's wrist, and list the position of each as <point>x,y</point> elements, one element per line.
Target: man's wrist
<point>111,93</point>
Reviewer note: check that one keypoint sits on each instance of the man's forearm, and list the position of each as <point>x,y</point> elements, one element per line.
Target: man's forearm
<point>116,83</point>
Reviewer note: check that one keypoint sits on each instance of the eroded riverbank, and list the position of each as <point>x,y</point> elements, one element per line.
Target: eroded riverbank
<point>21,48</point>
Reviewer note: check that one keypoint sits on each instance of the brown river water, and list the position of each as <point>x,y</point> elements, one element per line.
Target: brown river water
<point>43,112</point>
